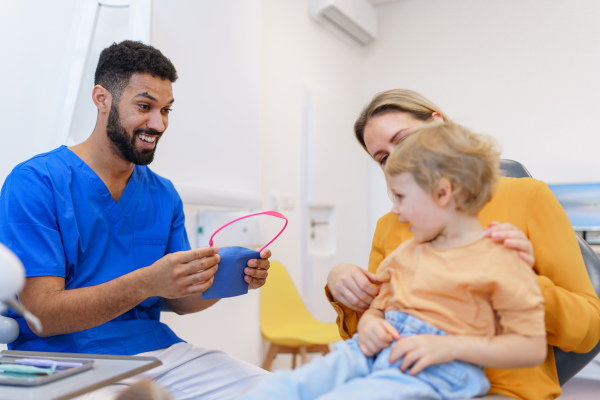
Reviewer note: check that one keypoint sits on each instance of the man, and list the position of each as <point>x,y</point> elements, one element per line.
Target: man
<point>103,239</point>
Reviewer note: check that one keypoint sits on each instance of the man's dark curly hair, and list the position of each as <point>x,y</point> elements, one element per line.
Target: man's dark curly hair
<point>120,61</point>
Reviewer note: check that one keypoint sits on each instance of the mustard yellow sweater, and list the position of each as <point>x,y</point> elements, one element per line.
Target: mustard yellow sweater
<point>571,305</point>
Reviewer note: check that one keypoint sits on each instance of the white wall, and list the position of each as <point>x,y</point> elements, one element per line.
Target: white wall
<point>526,72</point>
<point>214,126</point>
<point>298,57</point>
<point>31,64</point>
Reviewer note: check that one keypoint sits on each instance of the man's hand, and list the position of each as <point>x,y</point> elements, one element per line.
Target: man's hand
<point>183,273</point>
<point>352,286</point>
<point>256,271</point>
<point>512,238</point>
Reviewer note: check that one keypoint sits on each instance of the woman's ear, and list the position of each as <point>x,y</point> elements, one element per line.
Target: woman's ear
<point>442,192</point>
<point>101,98</point>
<point>437,117</point>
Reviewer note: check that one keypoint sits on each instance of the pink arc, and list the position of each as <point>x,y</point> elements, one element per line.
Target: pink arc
<point>272,213</point>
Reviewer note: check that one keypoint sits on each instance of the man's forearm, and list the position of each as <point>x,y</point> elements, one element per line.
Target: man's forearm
<point>176,275</point>
<point>66,311</point>
<point>189,304</point>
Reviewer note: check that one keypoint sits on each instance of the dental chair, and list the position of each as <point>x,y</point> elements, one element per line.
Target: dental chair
<point>568,364</point>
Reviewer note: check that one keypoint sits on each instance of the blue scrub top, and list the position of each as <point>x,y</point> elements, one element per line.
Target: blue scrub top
<point>58,216</point>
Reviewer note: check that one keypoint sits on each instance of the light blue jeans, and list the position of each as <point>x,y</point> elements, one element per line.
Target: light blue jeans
<point>347,373</point>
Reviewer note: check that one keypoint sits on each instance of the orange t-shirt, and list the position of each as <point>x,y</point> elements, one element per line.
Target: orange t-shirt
<point>481,289</point>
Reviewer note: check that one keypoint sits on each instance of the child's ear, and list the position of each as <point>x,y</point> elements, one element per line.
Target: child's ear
<point>442,191</point>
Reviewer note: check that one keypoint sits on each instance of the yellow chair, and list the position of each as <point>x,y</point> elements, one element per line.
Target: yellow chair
<point>287,324</point>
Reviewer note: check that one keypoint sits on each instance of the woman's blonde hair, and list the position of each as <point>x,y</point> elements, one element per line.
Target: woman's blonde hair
<point>469,161</point>
<point>395,100</point>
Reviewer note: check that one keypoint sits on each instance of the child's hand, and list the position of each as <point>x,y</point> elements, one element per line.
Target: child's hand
<point>375,334</point>
<point>421,351</point>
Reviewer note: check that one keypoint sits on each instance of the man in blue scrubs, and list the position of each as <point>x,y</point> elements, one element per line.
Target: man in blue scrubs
<point>103,239</point>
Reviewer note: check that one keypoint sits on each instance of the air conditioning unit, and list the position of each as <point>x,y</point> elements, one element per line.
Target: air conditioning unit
<point>356,19</point>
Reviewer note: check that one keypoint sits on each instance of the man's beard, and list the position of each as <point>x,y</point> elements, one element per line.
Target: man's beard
<point>125,144</point>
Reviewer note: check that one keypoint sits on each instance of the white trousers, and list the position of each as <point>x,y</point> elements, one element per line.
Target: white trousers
<point>190,372</point>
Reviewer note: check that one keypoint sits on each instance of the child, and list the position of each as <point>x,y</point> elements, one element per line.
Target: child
<point>450,300</point>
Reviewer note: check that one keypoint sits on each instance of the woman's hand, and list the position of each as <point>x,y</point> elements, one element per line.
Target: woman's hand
<point>352,286</point>
<point>512,238</point>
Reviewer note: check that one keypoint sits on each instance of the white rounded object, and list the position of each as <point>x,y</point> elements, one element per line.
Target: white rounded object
<point>9,330</point>
<point>12,273</point>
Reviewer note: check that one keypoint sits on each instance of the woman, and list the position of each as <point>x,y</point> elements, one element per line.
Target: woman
<point>527,209</point>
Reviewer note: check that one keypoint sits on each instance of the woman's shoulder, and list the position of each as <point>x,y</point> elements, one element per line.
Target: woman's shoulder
<point>515,198</point>
<point>522,189</point>
<point>387,219</point>
<point>390,232</point>
<point>519,184</point>
<point>389,222</point>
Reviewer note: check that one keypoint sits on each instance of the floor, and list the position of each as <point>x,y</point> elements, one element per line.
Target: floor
<point>581,389</point>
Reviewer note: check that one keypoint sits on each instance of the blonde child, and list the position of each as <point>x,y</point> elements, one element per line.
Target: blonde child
<point>450,300</point>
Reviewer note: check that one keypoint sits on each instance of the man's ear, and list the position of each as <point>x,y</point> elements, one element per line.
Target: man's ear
<point>442,191</point>
<point>101,98</point>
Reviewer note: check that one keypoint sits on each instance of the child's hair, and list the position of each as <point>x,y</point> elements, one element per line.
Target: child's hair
<point>469,161</point>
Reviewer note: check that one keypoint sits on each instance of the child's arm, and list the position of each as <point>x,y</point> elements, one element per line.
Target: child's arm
<point>374,332</point>
<point>502,351</point>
